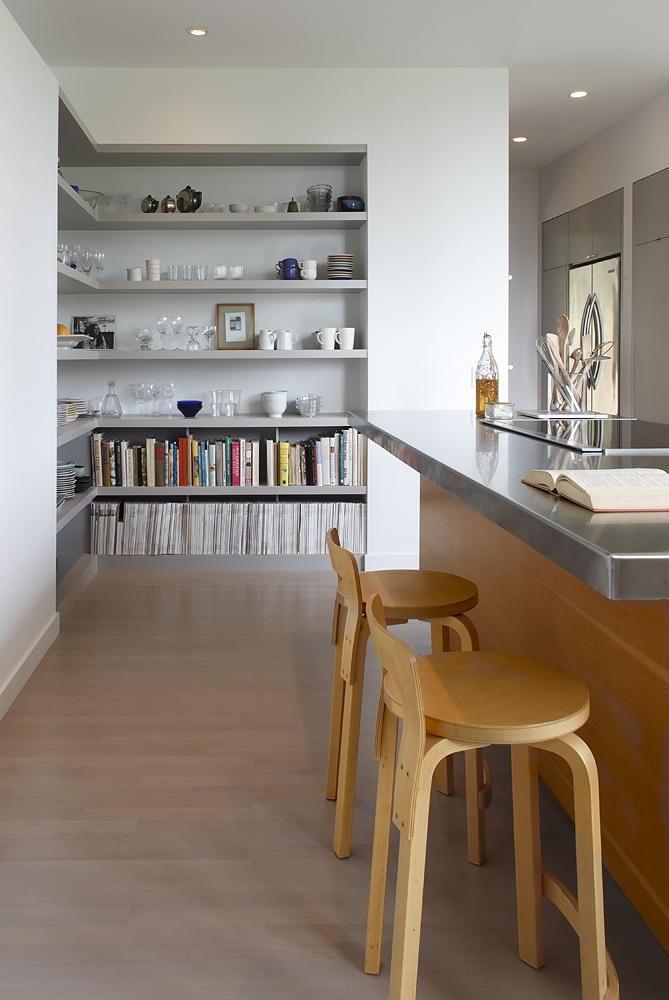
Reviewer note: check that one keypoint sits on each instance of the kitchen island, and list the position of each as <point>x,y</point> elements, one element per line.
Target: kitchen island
<point>589,592</point>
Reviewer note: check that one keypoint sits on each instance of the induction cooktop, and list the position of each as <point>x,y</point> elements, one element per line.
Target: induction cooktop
<point>610,436</point>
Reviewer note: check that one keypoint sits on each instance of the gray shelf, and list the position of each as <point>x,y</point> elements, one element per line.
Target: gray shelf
<point>67,354</point>
<point>240,492</point>
<point>72,507</point>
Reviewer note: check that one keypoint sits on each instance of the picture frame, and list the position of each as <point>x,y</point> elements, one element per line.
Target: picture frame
<point>99,327</point>
<point>235,326</point>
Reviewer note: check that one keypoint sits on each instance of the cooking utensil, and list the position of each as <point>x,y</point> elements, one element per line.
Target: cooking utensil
<point>564,388</point>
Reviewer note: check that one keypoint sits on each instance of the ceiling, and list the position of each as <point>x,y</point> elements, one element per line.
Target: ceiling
<point>615,50</point>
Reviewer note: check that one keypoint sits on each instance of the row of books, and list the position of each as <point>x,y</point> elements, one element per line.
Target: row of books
<point>221,528</point>
<point>340,460</point>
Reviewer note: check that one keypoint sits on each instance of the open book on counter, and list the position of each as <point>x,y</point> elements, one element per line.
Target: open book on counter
<point>606,489</point>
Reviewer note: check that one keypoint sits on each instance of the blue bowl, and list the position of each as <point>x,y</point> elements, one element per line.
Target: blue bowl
<point>189,407</point>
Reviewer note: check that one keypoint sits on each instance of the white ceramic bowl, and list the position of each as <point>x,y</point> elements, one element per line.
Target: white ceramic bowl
<point>275,402</point>
<point>238,207</point>
<point>265,209</point>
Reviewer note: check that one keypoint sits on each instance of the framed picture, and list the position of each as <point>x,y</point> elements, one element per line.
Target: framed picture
<point>99,327</point>
<point>236,326</point>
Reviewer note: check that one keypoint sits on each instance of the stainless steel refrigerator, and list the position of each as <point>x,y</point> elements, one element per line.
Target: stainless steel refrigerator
<point>594,311</point>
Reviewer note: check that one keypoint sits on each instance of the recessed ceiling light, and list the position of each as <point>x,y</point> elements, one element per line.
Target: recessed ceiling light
<point>579,93</point>
<point>198,31</point>
<point>519,138</point>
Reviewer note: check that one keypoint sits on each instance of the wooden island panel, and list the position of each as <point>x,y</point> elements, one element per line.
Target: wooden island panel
<point>531,607</point>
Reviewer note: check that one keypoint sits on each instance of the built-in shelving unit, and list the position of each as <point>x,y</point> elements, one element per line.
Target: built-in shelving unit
<point>71,508</point>
<point>190,357</point>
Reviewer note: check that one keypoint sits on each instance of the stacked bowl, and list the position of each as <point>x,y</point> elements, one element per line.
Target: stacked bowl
<point>340,266</point>
<point>319,198</point>
<point>153,269</point>
<point>66,411</point>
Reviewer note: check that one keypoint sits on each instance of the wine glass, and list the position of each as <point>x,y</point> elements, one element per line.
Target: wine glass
<point>193,344</point>
<point>209,332</point>
<point>168,389</point>
<point>111,404</point>
<point>176,322</point>
<point>142,394</point>
<point>154,391</point>
<point>99,261</point>
<point>144,337</point>
<point>75,256</point>
<point>87,261</point>
<point>162,323</point>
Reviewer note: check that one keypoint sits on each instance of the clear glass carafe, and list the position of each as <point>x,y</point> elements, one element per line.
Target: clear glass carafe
<point>111,404</point>
<point>487,378</point>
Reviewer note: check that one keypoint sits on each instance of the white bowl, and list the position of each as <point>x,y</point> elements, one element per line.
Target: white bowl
<point>265,209</point>
<point>238,207</point>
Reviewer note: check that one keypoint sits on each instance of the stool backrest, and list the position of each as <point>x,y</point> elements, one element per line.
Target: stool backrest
<point>397,659</point>
<point>346,568</point>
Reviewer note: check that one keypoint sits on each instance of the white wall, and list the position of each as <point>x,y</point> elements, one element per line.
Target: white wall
<point>634,147</point>
<point>28,165</point>
<point>438,201</point>
<point>524,241</point>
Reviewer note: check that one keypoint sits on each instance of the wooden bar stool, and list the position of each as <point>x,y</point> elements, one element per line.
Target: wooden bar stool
<point>448,703</point>
<point>424,595</point>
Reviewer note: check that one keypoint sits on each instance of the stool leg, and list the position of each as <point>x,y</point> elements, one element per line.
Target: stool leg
<point>527,840</point>
<point>348,757</point>
<point>444,773</point>
<point>338,686</point>
<point>588,863</point>
<point>382,820</point>
<point>475,809</point>
<point>409,902</point>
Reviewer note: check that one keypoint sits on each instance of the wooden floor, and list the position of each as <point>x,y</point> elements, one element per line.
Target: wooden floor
<point>164,833</point>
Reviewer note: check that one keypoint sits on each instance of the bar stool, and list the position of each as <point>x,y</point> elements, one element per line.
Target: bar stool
<point>454,702</point>
<point>423,595</point>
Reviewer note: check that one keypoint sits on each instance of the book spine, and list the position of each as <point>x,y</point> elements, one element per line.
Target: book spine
<point>97,445</point>
<point>347,456</point>
<point>212,464</point>
<point>195,472</point>
<point>219,473</point>
<point>269,458</point>
<point>342,448</point>
<point>159,464</point>
<point>235,463</point>
<point>283,463</point>
<point>189,460</point>
<point>255,463</point>
<point>228,461</point>
<point>248,463</point>
<point>150,461</point>
<point>144,465</point>
<point>319,463</point>
<point>183,463</point>
<point>106,478</point>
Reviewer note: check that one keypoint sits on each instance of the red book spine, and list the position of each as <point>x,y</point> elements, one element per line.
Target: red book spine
<point>235,463</point>
<point>183,462</point>
<point>248,464</point>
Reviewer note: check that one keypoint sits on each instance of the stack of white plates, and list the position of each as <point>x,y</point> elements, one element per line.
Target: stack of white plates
<point>67,412</point>
<point>80,404</point>
<point>153,269</point>
<point>340,266</point>
<point>65,481</point>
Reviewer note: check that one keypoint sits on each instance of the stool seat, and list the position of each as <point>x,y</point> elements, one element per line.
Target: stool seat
<point>417,593</point>
<point>495,698</point>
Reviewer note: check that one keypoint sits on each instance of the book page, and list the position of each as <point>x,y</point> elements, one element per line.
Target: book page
<point>618,479</point>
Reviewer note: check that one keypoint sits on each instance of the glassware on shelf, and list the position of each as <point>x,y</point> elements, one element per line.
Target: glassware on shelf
<point>87,261</point>
<point>99,261</point>
<point>144,336</point>
<point>487,377</point>
<point>176,323</point>
<point>142,394</point>
<point>111,404</point>
<point>63,253</point>
<point>201,271</point>
<point>154,391</point>
<point>168,389</point>
<point>309,404</point>
<point>209,332</point>
<point>172,272</point>
<point>235,271</point>
<point>75,256</point>
<point>193,344</point>
<point>186,272</point>
<point>228,402</point>
<point>162,324</point>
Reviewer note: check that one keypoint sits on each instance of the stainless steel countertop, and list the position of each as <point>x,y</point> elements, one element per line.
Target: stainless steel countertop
<point>623,556</point>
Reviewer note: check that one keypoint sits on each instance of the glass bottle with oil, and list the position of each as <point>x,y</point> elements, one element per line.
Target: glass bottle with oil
<point>487,378</point>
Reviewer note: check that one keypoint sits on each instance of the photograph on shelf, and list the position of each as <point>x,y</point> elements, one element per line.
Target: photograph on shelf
<point>100,328</point>
<point>235,323</point>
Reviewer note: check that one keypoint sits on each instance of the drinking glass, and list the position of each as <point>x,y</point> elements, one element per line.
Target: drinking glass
<point>186,272</point>
<point>87,261</point>
<point>162,323</point>
<point>209,332</point>
<point>214,402</point>
<point>63,253</point>
<point>75,256</point>
<point>229,401</point>
<point>172,272</point>
<point>236,271</point>
<point>176,322</point>
<point>201,272</point>
<point>168,389</point>
<point>193,344</point>
<point>99,261</point>
<point>111,404</point>
<point>154,392</point>
<point>144,337</point>
<point>142,394</point>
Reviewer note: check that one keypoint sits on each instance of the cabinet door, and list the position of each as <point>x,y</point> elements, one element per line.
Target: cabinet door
<point>579,234</point>
<point>650,207</point>
<point>607,224</point>
<point>554,297</point>
<point>650,325</point>
<point>554,243</point>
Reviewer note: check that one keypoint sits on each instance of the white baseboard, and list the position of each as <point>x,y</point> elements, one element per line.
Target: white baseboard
<point>401,560</point>
<point>74,583</point>
<point>27,664</point>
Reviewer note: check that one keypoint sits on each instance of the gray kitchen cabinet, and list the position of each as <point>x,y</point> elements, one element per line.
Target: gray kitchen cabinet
<point>650,325</point>
<point>554,297</point>
<point>595,229</point>
<point>554,243</point>
<point>650,202</point>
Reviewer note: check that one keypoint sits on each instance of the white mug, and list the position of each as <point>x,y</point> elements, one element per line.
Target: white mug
<point>345,337</point>
<point>326,338</point>
<point>308,265</point>
<point>285,340</point>
<point>274,402</point>
<point>266,339</point>
<point>309,274</point>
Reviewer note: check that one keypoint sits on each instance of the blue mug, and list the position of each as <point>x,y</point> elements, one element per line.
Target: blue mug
<point>287,269</point>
